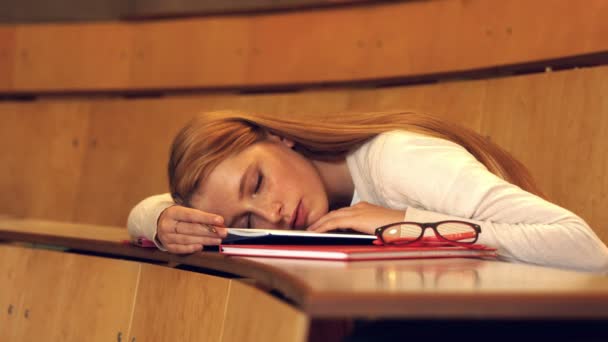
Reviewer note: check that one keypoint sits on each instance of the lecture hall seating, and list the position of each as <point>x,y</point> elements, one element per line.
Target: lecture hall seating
<point>88,111</point>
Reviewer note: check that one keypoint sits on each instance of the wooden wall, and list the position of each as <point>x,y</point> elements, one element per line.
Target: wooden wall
<point>81,146</point>
<point>388,40</point>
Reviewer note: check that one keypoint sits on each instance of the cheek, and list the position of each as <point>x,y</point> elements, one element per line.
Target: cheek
<point>320,207</point>
<point>320,212</point>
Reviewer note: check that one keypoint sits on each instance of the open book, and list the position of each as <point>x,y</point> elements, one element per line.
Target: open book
<point>359,252</point>
<point>294,237</point>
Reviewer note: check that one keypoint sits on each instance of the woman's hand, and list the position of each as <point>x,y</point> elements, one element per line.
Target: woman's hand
<point>362,217</point>
<point>186,230</point>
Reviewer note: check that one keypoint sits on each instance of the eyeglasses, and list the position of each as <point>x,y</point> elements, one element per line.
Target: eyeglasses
<point>453,232</point>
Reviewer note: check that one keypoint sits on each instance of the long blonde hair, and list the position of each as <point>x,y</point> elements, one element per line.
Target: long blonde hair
<point>209,138</point>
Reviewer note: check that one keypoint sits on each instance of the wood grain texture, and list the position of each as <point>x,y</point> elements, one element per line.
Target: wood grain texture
<point>7,56</point>
<point>559,129</point>
<point>256,316</point>
<point>108,240</point>
<point>13,277</point>
<point>71,56</point>
<point>431,288</point>
<point>121,155</point>
<point>427,288</point>
<point>65,230</point>
<point>178,305</point>
<point>387,40</point>
<point>72,297</point>
<point>44,161</point>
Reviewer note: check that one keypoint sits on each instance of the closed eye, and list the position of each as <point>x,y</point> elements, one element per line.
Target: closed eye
<point>256,190</point>
<point>258,183</point>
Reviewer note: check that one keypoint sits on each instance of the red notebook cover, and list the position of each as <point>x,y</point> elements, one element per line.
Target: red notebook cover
<point>359,252</point>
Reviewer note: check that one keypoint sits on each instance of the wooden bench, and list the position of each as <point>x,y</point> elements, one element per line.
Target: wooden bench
<point>109,298</point>
<point>49,295</point>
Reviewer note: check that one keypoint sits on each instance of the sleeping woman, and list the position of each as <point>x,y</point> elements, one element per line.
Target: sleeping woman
<point>360,172</point>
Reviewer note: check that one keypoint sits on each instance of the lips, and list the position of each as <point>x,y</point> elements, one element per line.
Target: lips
<point>294,215</point>
<point>300,219</point>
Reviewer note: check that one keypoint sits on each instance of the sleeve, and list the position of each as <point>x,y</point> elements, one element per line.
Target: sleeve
<point>144,216</point>
<point>442,180</point>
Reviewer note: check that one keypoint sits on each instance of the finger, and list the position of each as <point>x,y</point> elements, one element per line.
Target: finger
<point>198,229</point>
<point>166,226</point>
<point>335,223</point>
<point>182,239</point>
<point>322,220</point>
<point>332,215</point>
<point>183,249</point>
<point>197,216</point>
<point>222,232</point>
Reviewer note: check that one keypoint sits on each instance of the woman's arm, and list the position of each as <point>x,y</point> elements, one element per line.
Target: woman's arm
<point>441,180</point>
<point>144,216</point>
<point>174,228</point>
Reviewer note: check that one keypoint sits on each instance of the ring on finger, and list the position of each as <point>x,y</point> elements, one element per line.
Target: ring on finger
<point>210,229</point>
<point>175,227</point>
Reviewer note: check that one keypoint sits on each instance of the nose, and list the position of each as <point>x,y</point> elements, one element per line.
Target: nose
<point>271,216</point>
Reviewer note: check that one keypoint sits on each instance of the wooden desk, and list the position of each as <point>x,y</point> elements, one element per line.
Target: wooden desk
<point>413,289</point>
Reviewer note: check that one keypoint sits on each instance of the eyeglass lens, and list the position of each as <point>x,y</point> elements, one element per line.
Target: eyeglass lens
<point>408,232</point>
<point>456,231</point>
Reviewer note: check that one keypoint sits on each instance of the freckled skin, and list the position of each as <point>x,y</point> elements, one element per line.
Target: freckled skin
<point>287,178</point>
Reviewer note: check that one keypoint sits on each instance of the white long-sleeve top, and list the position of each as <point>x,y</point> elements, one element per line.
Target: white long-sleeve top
<point>432,179</point>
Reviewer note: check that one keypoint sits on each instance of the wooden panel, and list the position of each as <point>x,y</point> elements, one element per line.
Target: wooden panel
<point>79,236</point>
<point>7,56</point>
<point>44,145</point>
<point>332,45</point>
<point>12,277</point>
<point>461,102</point>
<point>209,52</point>
<point>129,157</point>
<point>109,241</point>
<point>63,230</point>
<point>73,297</point>
<point>174,305</point>
<point>252,315</point>
<point>72,56</point>
<point>557,125</point>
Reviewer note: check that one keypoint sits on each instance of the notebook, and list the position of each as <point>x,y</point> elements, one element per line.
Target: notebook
<point>294,237</point>
<point>370,252</point>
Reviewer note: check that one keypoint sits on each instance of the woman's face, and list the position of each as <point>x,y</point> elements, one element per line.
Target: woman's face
<point>267,185</point>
